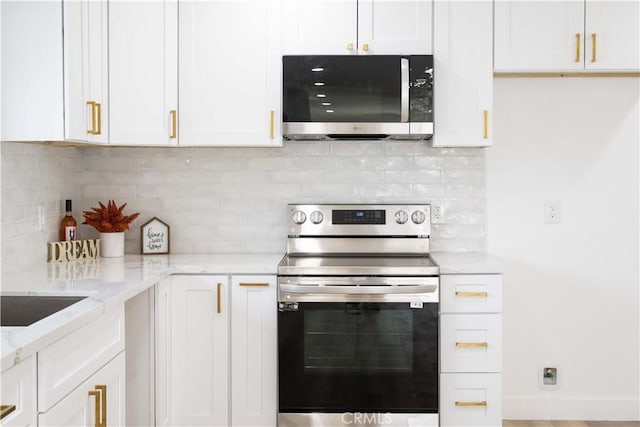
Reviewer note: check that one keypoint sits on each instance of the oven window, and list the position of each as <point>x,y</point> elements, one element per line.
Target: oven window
<point>365,357</point>
<point>358,338</point>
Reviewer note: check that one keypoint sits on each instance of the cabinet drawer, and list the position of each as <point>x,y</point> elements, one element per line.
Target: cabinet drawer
<point>71,360</point>
<point>471,293</point>
<point>19,390</point>
<point>471,400</point>
<point>471,343</point>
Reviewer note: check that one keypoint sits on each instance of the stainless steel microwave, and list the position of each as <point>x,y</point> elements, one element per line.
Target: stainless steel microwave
<point>357,97</point>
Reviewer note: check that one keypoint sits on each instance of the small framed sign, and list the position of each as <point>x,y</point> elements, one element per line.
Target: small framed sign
<point>154,237</point>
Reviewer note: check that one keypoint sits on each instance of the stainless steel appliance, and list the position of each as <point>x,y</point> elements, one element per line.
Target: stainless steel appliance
<point>357,97</point>
<point>358,317</point>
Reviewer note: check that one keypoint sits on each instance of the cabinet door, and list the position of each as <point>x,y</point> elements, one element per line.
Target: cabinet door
<point>463,73</point>
<point>253,351</point>
<point>471,343</point>
<point>86,70</point>
<point>199,360</point>
<point>32,92</point>
<point>612,32</point>
<point>19,389</point>
<point>229,79</point>
<point>539,35</point>
<point>320,27</point>
<point>143,72</point>
<point>471,400</point>
<point>78,408</point>
<point>395,27</point>
<point>163,352</point>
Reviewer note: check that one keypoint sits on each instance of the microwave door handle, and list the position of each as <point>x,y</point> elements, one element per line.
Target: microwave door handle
<point>404,90</point>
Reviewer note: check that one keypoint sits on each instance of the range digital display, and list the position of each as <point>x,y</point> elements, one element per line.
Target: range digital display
<point>358,216</point>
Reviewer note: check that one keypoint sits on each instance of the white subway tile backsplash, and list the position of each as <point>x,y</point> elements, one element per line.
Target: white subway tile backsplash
<point>234,199</point>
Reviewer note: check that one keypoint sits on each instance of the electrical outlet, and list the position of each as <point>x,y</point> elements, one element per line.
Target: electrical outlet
<point>549,377</point>
<point>437,214</point>
<point>552,212</point>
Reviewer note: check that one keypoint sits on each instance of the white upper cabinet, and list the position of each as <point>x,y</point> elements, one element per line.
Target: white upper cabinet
<point>357,27</point>
<point>229,73</point>
<point>463,73</point>
<point>32,91</point>
<point>560,35</point>
<point>320,27</point>
<point>143,72</point>
<point>86,70</point>
<point>612,33</point>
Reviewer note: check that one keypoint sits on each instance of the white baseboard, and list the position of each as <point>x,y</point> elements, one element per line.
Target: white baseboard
<point>535,408</point>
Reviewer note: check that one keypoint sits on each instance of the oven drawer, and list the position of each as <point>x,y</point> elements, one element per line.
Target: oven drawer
<point>470,400</point>
<point>471,293</point>
<point>471,343</point>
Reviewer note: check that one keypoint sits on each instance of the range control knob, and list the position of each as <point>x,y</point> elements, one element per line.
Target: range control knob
<point>316,217</point>
<point>298,217</point>
<point>417,217</point>
<point>401,217</point>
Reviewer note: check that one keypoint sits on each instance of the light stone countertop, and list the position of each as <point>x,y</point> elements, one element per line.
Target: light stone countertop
<point>108,282</point>
<point>467,263</point>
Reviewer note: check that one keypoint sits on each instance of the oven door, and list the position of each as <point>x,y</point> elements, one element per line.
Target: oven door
<point>366,351</point>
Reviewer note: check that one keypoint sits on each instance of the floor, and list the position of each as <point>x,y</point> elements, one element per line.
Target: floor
<point>522,423</point>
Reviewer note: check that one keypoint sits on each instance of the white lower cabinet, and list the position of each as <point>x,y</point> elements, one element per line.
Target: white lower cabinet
<point>471,350</point>
<point>471,399</point>
<point>99,401</point>
<point>19,391</point>
<point>216,350</point>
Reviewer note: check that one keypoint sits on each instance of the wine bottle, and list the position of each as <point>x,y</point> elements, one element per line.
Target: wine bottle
<point>68,225</point>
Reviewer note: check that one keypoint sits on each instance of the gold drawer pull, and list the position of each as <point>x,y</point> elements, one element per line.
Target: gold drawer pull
<point>6,410</point>
<point>96,395</point>
<point>93,130</point>
<point>593,47</point>
<point>577,47</point>
<point>483,403</point>
<point>472,344</point>
<point>99,114</point>
<point>471,294</point>
<point>485,119</point>
<point>254,284</point>
<point>219,303</point>
<point>174,124</point>
<point>365,47</point>
<point>350,46</point>
<point>271,124</point>
<point>103,404</point>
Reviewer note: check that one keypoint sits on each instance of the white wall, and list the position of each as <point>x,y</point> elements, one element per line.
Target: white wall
<point>571,295</point>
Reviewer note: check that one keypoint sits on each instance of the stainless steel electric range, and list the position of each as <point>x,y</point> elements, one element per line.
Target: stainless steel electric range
<point>358,317</point>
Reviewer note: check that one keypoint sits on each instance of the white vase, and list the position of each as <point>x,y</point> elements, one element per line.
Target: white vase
<point>112,245</point>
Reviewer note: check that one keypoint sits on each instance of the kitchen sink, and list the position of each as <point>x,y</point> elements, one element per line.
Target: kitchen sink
<point>23,310</point>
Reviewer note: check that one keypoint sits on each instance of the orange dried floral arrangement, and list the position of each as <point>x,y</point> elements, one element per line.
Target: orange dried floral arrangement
<point>109,219</point>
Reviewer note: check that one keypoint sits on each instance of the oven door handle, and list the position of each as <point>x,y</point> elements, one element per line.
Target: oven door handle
<point>360,290</point>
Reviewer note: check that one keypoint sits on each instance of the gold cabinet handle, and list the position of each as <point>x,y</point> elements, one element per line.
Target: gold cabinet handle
<point>593,47</point>
<point>483,403</point>
<point>103,404</point>
<point>174,124</point>
<point>99,114</point>
<point>472,344</point>
<point>272,116</point>
<point>485,118</point>
<point>471,294</point>
<point>253,284</point>
<point>350,46</point>
<point>6,410</point>
<point>365,47</point>
<point>92,104</point>
<point>219,303</point>
<point>96,395</point>
<point>578,47</point>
